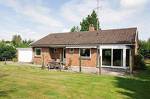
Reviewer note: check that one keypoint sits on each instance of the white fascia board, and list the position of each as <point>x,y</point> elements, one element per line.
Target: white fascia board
<point>115,46</point>
<point>24,48</point>
<point>81,46</point>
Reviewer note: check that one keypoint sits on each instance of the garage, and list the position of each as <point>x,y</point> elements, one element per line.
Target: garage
<point>25,55</point>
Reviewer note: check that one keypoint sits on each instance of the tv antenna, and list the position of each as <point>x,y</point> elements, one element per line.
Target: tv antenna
<point>98,8</point>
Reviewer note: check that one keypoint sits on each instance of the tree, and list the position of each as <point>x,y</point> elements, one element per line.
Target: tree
<point>149,40</point>
<point>90,19</point>
<point>7,51</point>
<point>25,43</point>
<point>75,29</point>
<point>144,48</point>
<point>16,40</point>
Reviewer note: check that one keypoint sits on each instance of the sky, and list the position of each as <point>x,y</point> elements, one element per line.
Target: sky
<point>34,19</point>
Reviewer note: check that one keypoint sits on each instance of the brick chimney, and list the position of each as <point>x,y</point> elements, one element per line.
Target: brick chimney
<point>91,27</point>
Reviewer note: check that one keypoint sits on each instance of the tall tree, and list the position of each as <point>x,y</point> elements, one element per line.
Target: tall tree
<point>90,19</point>
<point>16,40</point>
<point>25,43</point>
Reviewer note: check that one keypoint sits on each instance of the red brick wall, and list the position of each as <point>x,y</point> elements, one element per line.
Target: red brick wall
<point>73,59</point>
<point>46,55</point>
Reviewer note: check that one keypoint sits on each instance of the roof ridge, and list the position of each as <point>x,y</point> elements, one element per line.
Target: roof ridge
<point>92,31</point>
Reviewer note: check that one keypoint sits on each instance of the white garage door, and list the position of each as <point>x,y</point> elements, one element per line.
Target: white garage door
<point>24,54</point>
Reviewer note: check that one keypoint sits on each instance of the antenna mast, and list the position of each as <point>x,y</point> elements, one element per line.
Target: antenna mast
<point>98,6</point>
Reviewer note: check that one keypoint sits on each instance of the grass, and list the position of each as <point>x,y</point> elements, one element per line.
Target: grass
<point>26,82</point>
<point>147,61</point>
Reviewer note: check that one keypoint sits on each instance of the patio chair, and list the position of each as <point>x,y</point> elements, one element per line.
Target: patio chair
<point>51,64</point>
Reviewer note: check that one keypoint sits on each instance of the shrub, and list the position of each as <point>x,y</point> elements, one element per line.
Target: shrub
<point>139,62</point>
<point>144,48</point>
<point>7,51</point>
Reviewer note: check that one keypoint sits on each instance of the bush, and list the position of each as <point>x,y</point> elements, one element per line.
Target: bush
<point>139,62</point>
<point>7,51</point>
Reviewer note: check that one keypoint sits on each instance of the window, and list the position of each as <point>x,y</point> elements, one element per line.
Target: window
<point>114,57</point>
<point>117,57</point>
<point>53,50</point>
<point>64,53</point>
<point>127,57</point>
<point>37,51</point>
<point>71,50</point>
<point>85,53</point>
<point>106,57</point>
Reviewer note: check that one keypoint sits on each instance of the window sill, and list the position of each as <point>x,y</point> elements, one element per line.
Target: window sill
<point>70,52</point>
<point>37,56</point>
<point>85,58</point>
<point>115,67</point>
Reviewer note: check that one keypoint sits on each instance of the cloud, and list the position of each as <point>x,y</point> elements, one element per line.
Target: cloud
<point>66,30</point>
<point>75,10</point>
<point>37,19</point>
<point>133,3</point>
<point>40,20</point>
<point>125,13</point>
<point>37,13</point>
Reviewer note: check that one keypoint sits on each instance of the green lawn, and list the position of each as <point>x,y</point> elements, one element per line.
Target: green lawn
<point>25,82</point>
<point>147,61</point>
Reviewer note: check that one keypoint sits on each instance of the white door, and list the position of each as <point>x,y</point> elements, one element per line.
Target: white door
<point>25,55</point>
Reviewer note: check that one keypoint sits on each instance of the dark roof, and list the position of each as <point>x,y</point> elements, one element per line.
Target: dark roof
<point>111,36</point>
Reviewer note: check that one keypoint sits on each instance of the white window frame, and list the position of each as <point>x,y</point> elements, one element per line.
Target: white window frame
<point>129,56</point>
<point>115,46</point>
<point>113,57</point>
<point>84,57</point>
<point>35,51</point>
<point>102,57</point>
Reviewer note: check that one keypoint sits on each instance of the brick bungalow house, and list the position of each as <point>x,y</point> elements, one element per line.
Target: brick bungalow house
<point>112,48</point>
